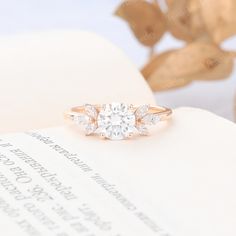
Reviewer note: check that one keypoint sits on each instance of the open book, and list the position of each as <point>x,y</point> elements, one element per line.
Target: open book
<point>58,182</point>
<point>179,181</point>
<point>55,184</point>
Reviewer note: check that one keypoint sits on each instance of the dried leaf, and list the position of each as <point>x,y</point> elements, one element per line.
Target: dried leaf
<point>233,54</point>
<point>145,19</point>
<point>185,20</point>
<point>156,62</point>
<point>197,61</point>
<point>170,2</point>
<point>220,18</point>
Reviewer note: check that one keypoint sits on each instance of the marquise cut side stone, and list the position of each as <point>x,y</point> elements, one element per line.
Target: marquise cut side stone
<point>151,119</point>
<point>141,111</point>
<point>81,119</point>
<point>90,128</point>
<point>142,129</point>
<point>91,111</point>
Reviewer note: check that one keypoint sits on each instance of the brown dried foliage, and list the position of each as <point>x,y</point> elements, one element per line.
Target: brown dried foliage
<point>196,61</point>
<point>145,19</point>
<point>202,24</point>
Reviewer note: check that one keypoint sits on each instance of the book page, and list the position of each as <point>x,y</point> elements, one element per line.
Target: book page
<point>51,186</point>
<point>177,181</point>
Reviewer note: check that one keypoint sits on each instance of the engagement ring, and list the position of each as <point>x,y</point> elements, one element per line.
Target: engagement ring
<point>117,121</point>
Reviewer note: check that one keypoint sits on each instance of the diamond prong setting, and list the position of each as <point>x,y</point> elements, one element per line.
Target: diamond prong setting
<point>116,121</point>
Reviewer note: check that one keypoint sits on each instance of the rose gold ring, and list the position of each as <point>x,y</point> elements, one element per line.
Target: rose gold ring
<point>117,121</point>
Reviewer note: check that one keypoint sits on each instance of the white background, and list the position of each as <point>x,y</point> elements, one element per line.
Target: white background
<point>97,16</point>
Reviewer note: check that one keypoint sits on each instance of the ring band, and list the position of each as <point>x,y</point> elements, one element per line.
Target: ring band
<point>117,121</point>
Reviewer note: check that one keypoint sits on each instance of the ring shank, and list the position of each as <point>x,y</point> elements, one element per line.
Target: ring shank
<point>163,112</point>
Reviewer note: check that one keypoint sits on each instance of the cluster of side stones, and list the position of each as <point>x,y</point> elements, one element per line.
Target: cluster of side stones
<point>144,118</point>
<point>116,121</point>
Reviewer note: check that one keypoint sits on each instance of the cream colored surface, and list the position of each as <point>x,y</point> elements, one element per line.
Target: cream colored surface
<point>185,173</point>
<point>44,74</point>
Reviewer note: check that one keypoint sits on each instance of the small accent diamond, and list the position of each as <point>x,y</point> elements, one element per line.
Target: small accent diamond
<point>142,129</point>
<point>81,119</point>
<point>151,119</point>
<point>141,111</point>
<point>90,128</point>
<point>91,111</point>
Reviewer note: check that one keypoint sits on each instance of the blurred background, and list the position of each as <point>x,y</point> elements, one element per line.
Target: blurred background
<point>218,96</point>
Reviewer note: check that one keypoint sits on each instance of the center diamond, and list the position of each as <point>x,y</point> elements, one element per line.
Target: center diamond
<point>116,121</point>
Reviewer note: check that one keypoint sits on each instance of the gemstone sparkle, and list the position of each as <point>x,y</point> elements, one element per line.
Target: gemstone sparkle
<point>116,121</point>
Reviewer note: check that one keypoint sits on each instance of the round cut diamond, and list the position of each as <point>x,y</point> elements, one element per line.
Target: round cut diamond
<point>116,121</point>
